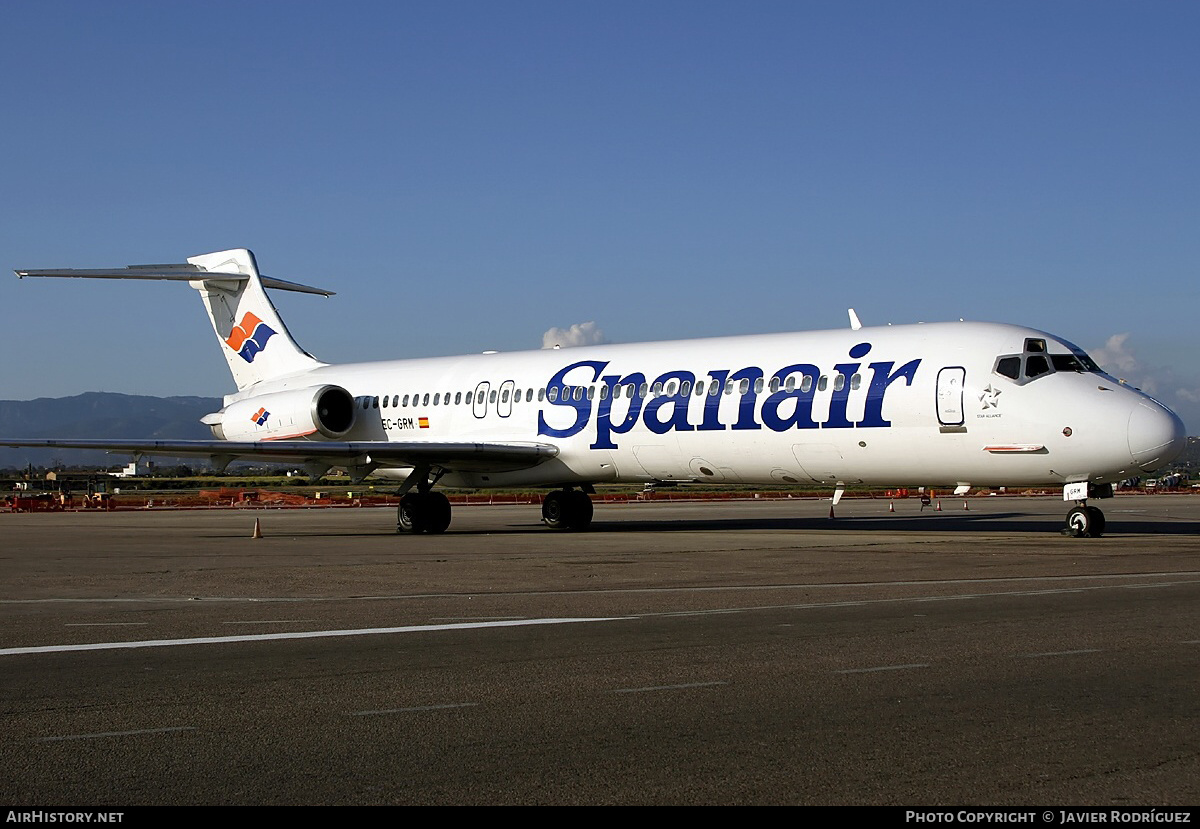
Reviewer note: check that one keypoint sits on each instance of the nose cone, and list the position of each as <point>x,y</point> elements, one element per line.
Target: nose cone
<point>1156,436</point>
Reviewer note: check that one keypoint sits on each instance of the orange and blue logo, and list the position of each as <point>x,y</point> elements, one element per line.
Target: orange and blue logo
<point>249,337</point>
<point>260,417</point>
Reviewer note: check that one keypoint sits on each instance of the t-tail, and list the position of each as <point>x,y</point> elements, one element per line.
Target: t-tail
<point>256,344</point>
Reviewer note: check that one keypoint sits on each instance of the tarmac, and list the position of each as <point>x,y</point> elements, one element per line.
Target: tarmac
<point>751,652</point>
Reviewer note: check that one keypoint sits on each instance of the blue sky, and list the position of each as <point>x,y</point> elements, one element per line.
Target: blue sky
<point>469,175</point>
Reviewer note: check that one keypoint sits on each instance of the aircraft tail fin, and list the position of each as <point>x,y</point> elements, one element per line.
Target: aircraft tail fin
<point>256,344</point>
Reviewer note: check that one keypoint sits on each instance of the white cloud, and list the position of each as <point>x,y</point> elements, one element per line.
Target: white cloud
<point>581,333</point>
<point>1114,357</point>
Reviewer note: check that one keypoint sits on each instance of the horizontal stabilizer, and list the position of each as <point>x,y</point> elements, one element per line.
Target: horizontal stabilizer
<point>178,273</point>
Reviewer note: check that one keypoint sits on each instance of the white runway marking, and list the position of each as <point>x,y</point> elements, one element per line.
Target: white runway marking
<point>667,687</point>
<point>883,668</point>
<point>311,634</point>
<point>104,624</point>
<point>1060,653</point>
<point>115,734</point>
<point>1183,577</point>
<point>415,709</point>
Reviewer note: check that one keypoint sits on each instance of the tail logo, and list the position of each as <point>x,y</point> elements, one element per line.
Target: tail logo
<point>249,337</point>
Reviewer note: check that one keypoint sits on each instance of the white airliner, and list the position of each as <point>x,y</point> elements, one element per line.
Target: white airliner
<point>962,404</point>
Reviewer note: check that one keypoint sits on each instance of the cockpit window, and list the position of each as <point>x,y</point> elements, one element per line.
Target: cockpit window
<point>1009,367</point>
<point>1036,365</point>
<point>1036,362</point>
<point>1067,362</point>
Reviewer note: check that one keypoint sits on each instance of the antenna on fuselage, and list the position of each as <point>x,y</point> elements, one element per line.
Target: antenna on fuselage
<point>855,324</point>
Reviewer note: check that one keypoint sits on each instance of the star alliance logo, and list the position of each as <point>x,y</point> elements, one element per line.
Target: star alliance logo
<point>989,398</point>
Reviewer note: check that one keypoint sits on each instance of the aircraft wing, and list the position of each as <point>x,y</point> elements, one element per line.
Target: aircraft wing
<point>461,457</point>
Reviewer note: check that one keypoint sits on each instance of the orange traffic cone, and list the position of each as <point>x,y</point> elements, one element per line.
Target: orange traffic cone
<point>257,530</point>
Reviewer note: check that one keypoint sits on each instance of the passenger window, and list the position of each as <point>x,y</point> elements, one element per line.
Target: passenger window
<point>714,389</point>
<point>504,396</point>
<point>385,401</point>
<point>685,388</point>
<point>541,395</point>
<point>492,396</point>
<point>774,384</point>
<point>806,386</point>
<point>790,385</point>
<point>425,399</point>
<point>856,382</point>
<point>823,383</point>
<point>404,402</point>
<point>839,382</point>
<point>656,389</point>
<point>745,385</point>
<point>552,394</point>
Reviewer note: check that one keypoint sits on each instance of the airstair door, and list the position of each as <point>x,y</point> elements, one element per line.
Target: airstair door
<point>950,382</point>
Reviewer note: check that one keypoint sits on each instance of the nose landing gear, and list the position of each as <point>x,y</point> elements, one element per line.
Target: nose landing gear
<point>1084,521</point>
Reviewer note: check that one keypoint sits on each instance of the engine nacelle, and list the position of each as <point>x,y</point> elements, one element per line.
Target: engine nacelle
<point>316,413</point>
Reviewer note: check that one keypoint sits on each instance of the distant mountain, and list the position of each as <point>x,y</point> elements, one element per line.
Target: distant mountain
<point>102,416</point>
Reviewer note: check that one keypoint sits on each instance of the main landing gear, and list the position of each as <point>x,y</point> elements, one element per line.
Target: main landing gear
<point>567,509</point>
<point>423,511</point>
<point>1084,521</point>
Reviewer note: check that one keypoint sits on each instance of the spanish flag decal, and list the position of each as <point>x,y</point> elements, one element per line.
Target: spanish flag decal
<point>423,422</point>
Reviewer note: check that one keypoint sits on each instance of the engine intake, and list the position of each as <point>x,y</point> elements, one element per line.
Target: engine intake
<point>316,413</point>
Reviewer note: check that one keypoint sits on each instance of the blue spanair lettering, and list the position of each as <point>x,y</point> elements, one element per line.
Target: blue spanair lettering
<point>678,421</point>
<point>617,413</point>
<point>605,427</point>
<point>582,406</point>
<point>750,375</point>
<point>841,397</point>
<point>880,380</point>
<point>712,402</point>
<point>800,416</point>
